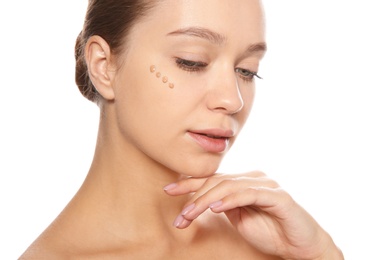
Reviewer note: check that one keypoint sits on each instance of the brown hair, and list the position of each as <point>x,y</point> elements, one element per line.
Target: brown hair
<point>111,20</point>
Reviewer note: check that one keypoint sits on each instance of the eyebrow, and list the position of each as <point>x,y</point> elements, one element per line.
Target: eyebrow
<point>215,38</point>
<point>200,32</point>
<point>258,47</point>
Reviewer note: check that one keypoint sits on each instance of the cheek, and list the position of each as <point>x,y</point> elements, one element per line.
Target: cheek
<point>145,90</point>
<point>178,94</point>
<point>248,96</point>
<point>164,78</point>
<point>153,97</point>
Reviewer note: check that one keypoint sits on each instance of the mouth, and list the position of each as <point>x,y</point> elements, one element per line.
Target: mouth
<point>212,140</point>
<point>214,136</point>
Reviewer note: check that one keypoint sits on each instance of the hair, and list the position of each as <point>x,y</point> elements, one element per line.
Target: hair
<point>111,20</point>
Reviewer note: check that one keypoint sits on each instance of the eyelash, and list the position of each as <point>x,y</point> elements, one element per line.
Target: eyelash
<point>197,66</point>
<point>249,75</point>
<point>192,66</point>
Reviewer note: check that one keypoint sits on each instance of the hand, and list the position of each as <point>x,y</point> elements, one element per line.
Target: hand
<point>260,210</point>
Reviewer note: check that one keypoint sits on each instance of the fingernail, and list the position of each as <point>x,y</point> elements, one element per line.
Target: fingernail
<point>188,209</point>
<point>179,219</point>
<point>170,186</point>
<point>215,204</point>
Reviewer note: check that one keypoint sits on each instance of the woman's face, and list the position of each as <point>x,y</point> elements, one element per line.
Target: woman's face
<point>186,84</point>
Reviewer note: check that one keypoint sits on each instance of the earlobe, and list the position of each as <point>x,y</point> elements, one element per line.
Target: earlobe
<point>97,56</point>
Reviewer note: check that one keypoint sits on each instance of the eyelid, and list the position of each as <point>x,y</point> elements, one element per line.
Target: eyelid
<point>195,62</point>
<point>252,73</point>
<point>190,65</point>
<point>198,66</point>
<point>192,55</point>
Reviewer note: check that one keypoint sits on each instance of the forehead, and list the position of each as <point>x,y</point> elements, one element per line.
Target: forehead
<point>229,18</point>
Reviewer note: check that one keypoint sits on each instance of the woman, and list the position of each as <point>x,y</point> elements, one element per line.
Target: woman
<point>174,81</point>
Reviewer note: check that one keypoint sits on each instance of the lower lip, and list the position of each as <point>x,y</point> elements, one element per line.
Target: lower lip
<point>212,145</point>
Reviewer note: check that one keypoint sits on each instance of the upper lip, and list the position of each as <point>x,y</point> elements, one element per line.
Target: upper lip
<point>215,132</point>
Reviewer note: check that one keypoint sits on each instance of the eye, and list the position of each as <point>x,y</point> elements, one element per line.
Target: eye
<point>189,65</point>
<point>246,74</point>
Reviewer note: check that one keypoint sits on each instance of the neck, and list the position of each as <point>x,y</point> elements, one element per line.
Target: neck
<point>127,188</point>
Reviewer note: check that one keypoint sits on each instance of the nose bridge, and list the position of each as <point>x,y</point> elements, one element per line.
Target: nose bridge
<point>225,94</point>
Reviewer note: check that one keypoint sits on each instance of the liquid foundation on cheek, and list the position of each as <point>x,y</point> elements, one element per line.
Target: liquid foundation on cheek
<point>164,79</point>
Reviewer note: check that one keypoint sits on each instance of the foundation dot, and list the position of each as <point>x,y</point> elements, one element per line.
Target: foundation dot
<point>152,68</point>
<point>171,85</point>
<point>165,79</point>
<point>158,74</point>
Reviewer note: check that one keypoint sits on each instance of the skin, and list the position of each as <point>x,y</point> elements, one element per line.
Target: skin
<point>150,179</point>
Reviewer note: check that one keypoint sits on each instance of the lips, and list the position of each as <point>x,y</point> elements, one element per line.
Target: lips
<point>212,140</point>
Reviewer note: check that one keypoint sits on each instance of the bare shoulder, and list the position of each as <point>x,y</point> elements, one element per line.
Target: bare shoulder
<point>216,239</point>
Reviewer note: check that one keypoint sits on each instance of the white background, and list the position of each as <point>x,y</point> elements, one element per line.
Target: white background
<point>320,125</point>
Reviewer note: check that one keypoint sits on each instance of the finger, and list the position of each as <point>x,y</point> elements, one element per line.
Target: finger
<point>189,185</point>
<point>184,186</point>
<point>213,189</point>
<point>274,201</point>
<point>231,186</point>
<point>212,197</point>
<point>180,222</point>
<point>193,210</point>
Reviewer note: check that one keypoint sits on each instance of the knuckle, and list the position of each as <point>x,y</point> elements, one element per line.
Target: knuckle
<point>285,196</point>
<point>211,180</point>
<point>228,182</point>
<point>254,190</point>
<point>265,181</point>
<point>270,182</point>
<point>215,180</point>
<point>229,185</point>
<point>257,174</point>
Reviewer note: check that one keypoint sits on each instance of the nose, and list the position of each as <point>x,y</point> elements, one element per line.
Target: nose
<point>225,95</point>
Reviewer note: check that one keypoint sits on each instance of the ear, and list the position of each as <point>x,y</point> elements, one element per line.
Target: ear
<point>97,57</point>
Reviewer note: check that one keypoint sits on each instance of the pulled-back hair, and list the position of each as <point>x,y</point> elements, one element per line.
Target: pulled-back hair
<point>111,20</point>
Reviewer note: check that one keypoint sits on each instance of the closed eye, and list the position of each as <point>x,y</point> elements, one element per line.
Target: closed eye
<point>189,65</point>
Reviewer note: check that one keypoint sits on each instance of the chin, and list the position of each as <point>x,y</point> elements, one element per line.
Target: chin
<point>201,170</point>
